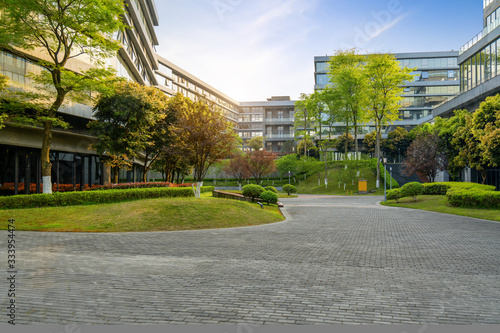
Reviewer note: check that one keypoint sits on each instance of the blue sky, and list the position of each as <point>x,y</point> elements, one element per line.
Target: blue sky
<point>254,49</point>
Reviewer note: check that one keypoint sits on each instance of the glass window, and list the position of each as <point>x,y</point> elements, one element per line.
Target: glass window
<point>321,67</point>
<point>425,75</point>
<point>321,79</point>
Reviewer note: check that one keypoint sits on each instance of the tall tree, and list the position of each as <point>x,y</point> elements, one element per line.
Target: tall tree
<point>346,70</point>
<point>130,121</point>
<point>62,30</point>
<point>385,79</point>
<point>304,116</point>
<point>204,135</point>
<point>3,84</point>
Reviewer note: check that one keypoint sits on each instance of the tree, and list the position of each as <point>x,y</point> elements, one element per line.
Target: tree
<point>130,121</point>
<point>238,168</point>
<point>288,163</point>
<point>486,128</point>
<point>346,75</point>
<point>370,142</point>
<point>260,163</point>
<point>204,136</point>
<point>396,143</point>
<point>446,129</point>
<point>256,143</point>
<point>288,147</point>
<point>345,143</point>
<point>3,84</point>
<point>385,80</point>
<point>425,156</point>
<point>62,30</point>
<point>304,117</point>
<point>307,147</point>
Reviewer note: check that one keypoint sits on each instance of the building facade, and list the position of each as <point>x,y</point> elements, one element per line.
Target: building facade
<point>273,119</point>
<point>436,81</point>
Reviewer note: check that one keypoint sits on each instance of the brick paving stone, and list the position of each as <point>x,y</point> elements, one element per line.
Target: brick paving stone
<point>336,260</point>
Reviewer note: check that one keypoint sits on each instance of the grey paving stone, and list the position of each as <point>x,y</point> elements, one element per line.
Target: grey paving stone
<point>336,260</point>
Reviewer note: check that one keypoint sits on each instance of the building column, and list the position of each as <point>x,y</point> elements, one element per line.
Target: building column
<point>27,174</point>
<point>16,172</point>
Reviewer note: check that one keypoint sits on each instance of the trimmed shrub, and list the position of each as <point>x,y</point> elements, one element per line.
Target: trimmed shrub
<point>252,191</point>
<point>271,188</point>
<point>444,187</point>
<point>269,197</point>
<point>394,194</point>
<point>412,190</point>
<point>94,197</point>
<point>474,199</point>
<point>289,189</point>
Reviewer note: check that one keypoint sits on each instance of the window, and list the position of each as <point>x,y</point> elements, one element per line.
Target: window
<point>425,75</point>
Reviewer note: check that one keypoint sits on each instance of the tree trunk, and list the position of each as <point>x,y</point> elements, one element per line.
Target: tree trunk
<point>47,140</point>
<point>377,153</point>
<point>45,157</point>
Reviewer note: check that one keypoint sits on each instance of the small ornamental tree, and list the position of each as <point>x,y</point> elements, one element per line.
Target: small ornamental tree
<point>260,163</point>
<point>425,155</point>
<point>272,189</point>
<point>269,197</point>
<point>394,194</point>
<point>252,191</point>
<point>412,190</point>
<point>289,189</point>
<point>256,143</point>
<point>237,168</point>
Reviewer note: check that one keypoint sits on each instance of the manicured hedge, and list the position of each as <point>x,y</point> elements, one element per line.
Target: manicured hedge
<point>252,191</point>
<point>94,197</point>
<point>474,199</point>
<point>442,188</point>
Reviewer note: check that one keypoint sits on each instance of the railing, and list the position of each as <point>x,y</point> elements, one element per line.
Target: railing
<point>279,120</point>
<point>280,136</point>
<point>480,35</point>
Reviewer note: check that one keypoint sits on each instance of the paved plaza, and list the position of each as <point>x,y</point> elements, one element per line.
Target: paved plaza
<point>335,260</point>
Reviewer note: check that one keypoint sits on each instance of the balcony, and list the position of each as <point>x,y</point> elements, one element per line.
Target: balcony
<point>480,35</point>
<point>278,121</point>
<point>279,137</point>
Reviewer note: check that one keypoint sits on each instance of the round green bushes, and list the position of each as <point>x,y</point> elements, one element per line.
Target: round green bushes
<point>272,189</point>
<point>252,191</point>
<point>289,189</point>
<point>394,194</point>
<point>269,197</point>
<point>412,190</point>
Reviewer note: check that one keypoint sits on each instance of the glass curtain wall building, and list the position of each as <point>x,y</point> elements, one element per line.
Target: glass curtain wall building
<point>73,164</point>
<point>436,81</point>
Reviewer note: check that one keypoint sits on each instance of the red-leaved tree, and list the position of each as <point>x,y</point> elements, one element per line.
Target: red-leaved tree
<point>424,155</point>
<point>260,163</point>
<point>238,168</point>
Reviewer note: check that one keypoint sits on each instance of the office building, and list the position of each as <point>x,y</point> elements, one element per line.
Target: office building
<point>273,119</point>
<point>436,81</point>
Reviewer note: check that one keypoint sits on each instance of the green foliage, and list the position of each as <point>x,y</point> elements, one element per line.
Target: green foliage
<point>289,189</point>
<point>394,194</point>
<point>269,197</point>
<point>341,142</point>
<point>444,187</point>
<point>93,197</point>
<point>271,188</point>
<point>288,163</point>
<point>252,191</point>
<point>256,143</point>
<point>396,143</point>
<point>474,199</point>
<point>310,149</point>
<point>412,190</point>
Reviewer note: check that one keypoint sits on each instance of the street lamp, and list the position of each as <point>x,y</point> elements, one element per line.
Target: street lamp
<point>390,170</point>
<point>385,180</point>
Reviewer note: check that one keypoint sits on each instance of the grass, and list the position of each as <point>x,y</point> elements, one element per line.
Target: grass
<point>439,203</point>
<point>280,194</point>
<point>336,178</point>
<point>165,214</point>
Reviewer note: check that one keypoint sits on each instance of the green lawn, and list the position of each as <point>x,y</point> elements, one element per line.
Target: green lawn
<point>438,203</point>
<point>336,180</point>
<point>165,214</point>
